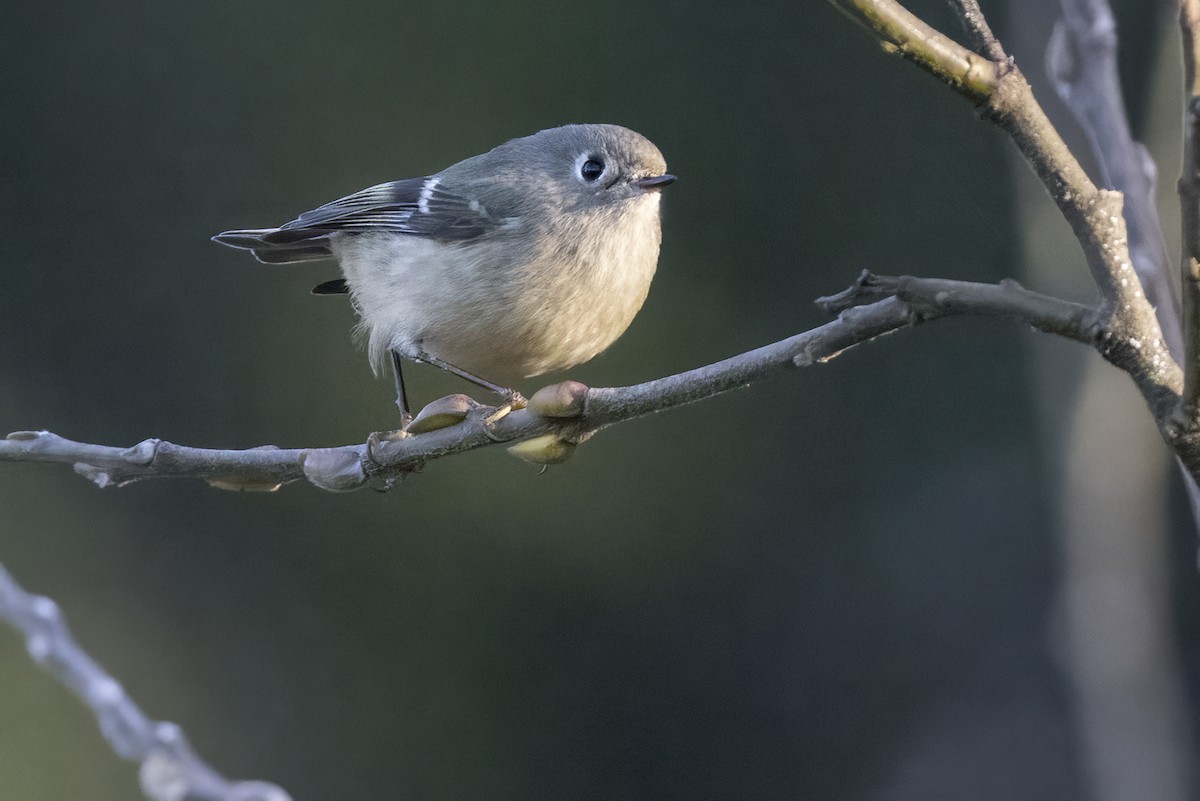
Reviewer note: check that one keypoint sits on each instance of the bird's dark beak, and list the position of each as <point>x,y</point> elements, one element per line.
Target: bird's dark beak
<point>655,182</point>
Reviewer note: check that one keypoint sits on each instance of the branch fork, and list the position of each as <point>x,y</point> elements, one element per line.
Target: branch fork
<point>1131,336</point>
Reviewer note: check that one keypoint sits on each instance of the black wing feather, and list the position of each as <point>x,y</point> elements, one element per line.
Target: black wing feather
<point>393,196</point>
<point>414,206</point>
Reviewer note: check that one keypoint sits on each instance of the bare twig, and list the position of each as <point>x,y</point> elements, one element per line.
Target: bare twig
<point>900,31</point>
<point>872,307</point>
<point>929,298</point>
<point>170,769</point>
<point>1082,63</point>
<point>977,29</point>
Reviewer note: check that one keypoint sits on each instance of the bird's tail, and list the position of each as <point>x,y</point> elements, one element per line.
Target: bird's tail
<point>278,245</point>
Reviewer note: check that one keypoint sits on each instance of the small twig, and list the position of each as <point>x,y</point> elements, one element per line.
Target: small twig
<point>874,306</point>
<point>929,298</point>
<point>170,769</point>
<point>977,29</point>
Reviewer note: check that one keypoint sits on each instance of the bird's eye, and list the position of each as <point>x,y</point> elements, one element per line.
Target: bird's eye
<point>591,170</point>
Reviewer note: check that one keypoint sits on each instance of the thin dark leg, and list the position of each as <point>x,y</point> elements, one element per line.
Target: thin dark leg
<point>509,395</point>
<point>401,395</point>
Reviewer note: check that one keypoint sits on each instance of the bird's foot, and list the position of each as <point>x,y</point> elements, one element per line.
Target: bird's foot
<point>514,399</point>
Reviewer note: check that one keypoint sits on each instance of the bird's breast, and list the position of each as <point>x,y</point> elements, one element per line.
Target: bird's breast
<point>510,306</point>
<point>591,284</point>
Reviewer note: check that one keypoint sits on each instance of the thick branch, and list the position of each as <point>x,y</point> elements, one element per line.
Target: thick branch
<point>1081,60</point>
<point>1082,63</point>
<point>170,769</point>
<point>1189,197</point>
<point>1133,337</point>
<point>1095,215</point>
<point>874,306</point>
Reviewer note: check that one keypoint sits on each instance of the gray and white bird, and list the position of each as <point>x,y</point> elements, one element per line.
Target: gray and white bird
<point>527,259</point>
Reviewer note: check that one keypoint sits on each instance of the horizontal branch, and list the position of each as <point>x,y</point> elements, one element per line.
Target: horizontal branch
<point>930,298</point>
<point>562,415</point>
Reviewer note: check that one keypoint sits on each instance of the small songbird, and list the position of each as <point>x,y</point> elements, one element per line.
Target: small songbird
<point>530,258</point>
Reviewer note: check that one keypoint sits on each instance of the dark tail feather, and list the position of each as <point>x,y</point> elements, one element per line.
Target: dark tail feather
<point>272,246</point>
<point>247,240</point>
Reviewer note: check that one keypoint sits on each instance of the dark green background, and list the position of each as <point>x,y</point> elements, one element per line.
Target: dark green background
<point>837,584</point>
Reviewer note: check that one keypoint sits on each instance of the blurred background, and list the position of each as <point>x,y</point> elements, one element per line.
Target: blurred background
<point>951,564</point>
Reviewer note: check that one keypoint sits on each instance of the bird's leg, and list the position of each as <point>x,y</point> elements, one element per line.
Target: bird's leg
<point>401,396</point>
<point>511,396</point>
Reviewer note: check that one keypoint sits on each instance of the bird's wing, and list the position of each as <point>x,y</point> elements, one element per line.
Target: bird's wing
<point>417,206</point>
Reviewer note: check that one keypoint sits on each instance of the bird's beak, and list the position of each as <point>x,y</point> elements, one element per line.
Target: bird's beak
<point>655,182</point>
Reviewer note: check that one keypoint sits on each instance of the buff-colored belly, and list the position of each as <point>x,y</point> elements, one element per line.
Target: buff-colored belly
<point>500,320</point>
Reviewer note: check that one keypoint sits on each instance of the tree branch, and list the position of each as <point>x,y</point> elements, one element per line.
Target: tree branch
<point>170,769</point>
<point>564,414</point>
<point>1189,197</point>
<point>1082,63</point>
<point>930,298</point>
<point>1131,338</point>
<point>978,31</point>
<point>1005,98</point>
<point>1127,331</point>
<point>971,75</point>
<point>1134,341</point>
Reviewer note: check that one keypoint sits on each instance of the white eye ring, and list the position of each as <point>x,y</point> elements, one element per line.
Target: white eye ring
<point>590,168</point>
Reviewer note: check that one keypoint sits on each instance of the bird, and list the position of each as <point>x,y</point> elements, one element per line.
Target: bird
<point>530,258</point>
